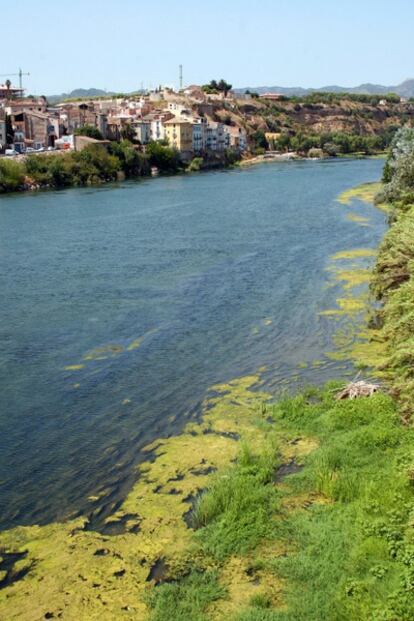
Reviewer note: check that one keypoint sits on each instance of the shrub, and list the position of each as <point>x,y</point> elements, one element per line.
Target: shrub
<point>90,131</point>
<point>195,164</point>
<point>163,157</point>
<point>11,175</point>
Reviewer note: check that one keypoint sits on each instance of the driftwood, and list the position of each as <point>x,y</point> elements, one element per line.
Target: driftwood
<point>357,389</point>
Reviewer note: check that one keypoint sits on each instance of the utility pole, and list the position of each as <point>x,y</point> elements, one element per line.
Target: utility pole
<point>181,77</point>
<point>21,74</point>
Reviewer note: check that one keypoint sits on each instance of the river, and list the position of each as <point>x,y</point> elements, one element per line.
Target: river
<point>122,305</point>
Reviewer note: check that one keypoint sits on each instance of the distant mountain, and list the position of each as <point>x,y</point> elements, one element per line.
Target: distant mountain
<point>77,93</point>
<point>406,89</point>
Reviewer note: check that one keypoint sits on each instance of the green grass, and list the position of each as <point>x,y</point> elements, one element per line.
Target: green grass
<point>186,599</point>
<point>235,513</point>
<point>350,549</point>
<point>354,556</point>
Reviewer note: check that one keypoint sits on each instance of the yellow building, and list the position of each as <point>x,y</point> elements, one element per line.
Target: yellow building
<point>179,133</point>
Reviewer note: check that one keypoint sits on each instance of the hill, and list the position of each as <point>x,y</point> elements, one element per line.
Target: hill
<point>77,93</point>
<point>405,89</point>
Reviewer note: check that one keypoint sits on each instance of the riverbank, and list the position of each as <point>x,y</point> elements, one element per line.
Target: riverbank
<point>306,515</point>
<point>96,165</point>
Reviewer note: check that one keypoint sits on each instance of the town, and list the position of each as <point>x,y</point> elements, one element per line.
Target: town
<point>183,120</point>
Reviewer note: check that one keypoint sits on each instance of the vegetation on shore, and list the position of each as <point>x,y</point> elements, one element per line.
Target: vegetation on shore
<point>393,280</point>
<point>258,512</point>
<point>93,165</point>
<point>97,164</point>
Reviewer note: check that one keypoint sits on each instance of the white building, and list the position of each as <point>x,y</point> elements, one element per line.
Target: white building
<point>216,138</point>
<point>157,120</point>
<point>142,130</point>
<point>178,109</point>
<point>198,137</point>
<point>237,137</point>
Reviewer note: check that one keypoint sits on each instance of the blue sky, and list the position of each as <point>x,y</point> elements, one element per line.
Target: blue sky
<point>119,45</point>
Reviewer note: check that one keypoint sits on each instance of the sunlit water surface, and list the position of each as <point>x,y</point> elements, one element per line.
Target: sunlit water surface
<point>122,305</point>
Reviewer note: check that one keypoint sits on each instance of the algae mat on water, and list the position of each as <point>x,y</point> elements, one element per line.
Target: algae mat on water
<point>72,572</point>
<point>306,516</point>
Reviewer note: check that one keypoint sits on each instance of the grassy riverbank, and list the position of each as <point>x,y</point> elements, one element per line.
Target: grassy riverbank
<point>299,510</point>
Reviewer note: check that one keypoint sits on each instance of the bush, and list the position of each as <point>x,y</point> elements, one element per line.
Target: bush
<point>315,153</point>
<point>90,131</point>
<point>195,164</point>
<point>11,175</point>
<point>163,157</point>
<point>133,163</point>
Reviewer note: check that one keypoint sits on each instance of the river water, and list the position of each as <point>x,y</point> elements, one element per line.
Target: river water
<point>122,305</point>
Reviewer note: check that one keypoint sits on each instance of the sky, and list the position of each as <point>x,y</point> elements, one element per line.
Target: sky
<point>122,45</point>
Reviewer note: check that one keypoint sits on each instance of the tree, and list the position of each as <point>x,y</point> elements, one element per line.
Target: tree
<point>259,139</point>
<point>164,158</point>
<point>133,163</point>
<point>9,130</point>
<point>90,131</point>
<point>128,133</point>
<point>215,87</point>
<point>224,87</point>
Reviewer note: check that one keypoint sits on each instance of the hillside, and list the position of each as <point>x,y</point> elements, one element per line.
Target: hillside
<point>301,124</point>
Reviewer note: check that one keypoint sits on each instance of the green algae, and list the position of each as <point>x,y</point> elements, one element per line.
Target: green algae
<point>135,344</point>
<point>74,367</point>
<point>361,220</point>
<point>351,277</point>
<point>110,350</point>
<point>103,352</point>
<point>357,253</point>
<point>353,341</point>
<point>90,576</point>
<point>365,192</point>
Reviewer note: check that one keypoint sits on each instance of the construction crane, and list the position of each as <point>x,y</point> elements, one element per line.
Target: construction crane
<point>20,74</point>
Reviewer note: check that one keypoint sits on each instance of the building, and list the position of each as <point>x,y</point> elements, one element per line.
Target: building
<point>178,108</point>
<point>10,92</point>
<point>3,130</point>
<point>216,138</point>
<point>198,135</point>
<point>179,133</point>
<point>157,120</point>
<point>35,104</point>
<point>142,130</point>
<point>237,138</point>
<point>41,129</point>
<point>271,96</point>
<point>81,142</point>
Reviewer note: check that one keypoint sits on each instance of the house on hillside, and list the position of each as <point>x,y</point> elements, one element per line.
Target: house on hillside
<point>142,129</point>
<point>271,96</point>
<point>41,129</point>
<point>237,138</point>
<point>10,92</point>
<point>179,133</point>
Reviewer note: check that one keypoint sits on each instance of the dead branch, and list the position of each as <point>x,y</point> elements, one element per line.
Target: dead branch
<point>357,389</point>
